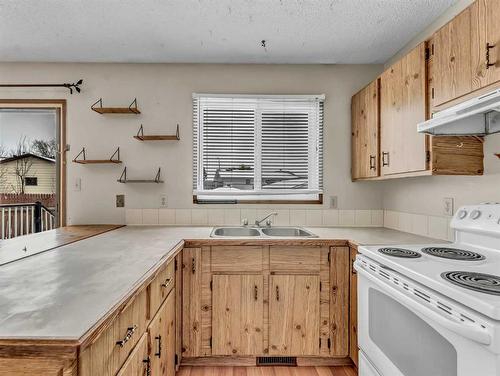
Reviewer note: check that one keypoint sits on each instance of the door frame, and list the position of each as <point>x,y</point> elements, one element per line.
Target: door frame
<point>60,106</point>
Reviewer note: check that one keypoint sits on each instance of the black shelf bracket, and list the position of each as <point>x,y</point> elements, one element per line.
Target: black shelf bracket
<point>123,178</point>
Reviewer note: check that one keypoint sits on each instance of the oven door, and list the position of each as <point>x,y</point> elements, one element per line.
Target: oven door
<point>400,336</point>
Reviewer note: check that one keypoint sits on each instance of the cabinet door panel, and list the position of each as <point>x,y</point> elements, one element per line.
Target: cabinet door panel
<point>294,315</point>
<point>485,30</point>
<point>238,315</point>
<point>162,339</point>
<point>452,75</point>
<point>137,362</point>
<point>365,129</point>
<point>191,298</point>
<point>403,106</point>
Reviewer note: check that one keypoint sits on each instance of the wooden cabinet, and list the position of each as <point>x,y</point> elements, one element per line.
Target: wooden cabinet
<point>238,315</point>
<point>161,286</point>
<point>365,132</point>
<point>353,309</point>
<point>450,54</point>
<point>138,363</point>
<point>402,107</point>
<point>294,317</point>
<point>485,42</point>
<point>162,339</point>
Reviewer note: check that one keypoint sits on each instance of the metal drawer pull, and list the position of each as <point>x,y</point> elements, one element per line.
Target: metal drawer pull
<point>147,361</point>
<point>373,160</point>
<point>193,265</point>
<point>277,293</point>
<point>488,48</point>
<point>384,162</point>
<point>158,354</point>
<point>256,292</point>
<point>167,282</point>
<point>130,332</point>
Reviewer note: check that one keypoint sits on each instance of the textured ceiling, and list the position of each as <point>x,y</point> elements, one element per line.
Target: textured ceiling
<point>211,31</point>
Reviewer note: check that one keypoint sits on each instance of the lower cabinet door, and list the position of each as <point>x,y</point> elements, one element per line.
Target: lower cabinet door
<point>294,316</point>
<point>237,315</point>
<point>138,363</point>
<point>162,339</point>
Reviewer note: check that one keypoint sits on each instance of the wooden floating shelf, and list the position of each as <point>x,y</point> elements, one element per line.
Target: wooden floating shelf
<point>123,178</point>
<point>111,160</point>
<point>132,109</point>
<point>141,137</point>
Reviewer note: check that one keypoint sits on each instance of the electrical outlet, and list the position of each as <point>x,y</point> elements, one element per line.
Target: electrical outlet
<point>120,201</point>
<point>163,201</point>
<point>448,206</point>
<point>77,187</point>
<point>333,202</point>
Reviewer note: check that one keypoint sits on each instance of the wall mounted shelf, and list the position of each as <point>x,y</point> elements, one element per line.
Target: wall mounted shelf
<point>132,109</point>
<point>141,137</point>
<point>114,159</point>
<point>123,178</point>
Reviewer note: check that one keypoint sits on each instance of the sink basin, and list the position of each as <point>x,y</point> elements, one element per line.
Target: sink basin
<point>235,231</point>
<point>271,232</point>
<point>287,232</point>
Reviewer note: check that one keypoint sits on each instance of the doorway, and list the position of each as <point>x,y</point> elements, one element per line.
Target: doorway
<point>32,166</point>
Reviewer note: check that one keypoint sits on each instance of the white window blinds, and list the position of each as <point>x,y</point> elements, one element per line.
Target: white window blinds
<point>254,148</point>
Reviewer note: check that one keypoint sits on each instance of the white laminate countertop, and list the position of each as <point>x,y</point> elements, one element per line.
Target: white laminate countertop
<point>64,292</point>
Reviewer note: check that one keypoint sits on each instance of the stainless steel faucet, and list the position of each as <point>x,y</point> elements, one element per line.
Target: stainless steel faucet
<point>268,222</point>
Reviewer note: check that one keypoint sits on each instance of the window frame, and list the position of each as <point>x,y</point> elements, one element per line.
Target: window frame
<point>31,177</point>
<point>257,195</point>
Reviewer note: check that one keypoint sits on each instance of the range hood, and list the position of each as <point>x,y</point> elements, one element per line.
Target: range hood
<point>479,116</point>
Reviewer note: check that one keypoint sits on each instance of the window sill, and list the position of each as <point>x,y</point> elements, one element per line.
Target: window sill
<point>233,201</point>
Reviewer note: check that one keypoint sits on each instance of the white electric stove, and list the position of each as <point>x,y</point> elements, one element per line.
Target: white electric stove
<point>433,309</point>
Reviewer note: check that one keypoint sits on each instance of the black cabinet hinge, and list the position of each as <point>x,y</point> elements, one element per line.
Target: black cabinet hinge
<point>210,342</point>
<point>176,359</point>
<point>427,53</point>
<point>329,256</point>
<point>329,343</point>
<point>175,264</point>
<point>211,285</point>
<point>320,286</point>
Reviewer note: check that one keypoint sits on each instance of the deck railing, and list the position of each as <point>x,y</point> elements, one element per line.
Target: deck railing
<point>23,219</point>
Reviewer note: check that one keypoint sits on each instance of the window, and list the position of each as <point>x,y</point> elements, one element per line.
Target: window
<point>257,148</point>
<point>31,181</point>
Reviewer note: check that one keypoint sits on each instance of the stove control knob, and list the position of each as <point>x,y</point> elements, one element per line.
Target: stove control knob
<point>475,214</point>
<point>462,214</point>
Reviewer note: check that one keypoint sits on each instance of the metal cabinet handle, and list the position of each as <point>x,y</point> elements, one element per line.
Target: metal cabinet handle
<point>158,354</point>
<point>193,265</point>
<point>256,292</point>
<point>167,282</point>
<point>147,362</point>
<point>488,48</point>
<point>277,293</point>
<point>384,161</point>
<point>130,332</point>
<point>373,160</point>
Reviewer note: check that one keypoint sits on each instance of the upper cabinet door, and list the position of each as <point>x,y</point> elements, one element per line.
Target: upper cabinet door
<point>451,65</point>
<point>402,107</point>
<point>485,17</point>
<point>365,129</point>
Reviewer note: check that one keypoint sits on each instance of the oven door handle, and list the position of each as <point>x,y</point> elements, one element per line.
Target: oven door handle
<point>464,330</point>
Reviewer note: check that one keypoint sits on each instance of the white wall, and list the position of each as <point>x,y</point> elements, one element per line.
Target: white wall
<point>164,93</point>
<point>424,195</point>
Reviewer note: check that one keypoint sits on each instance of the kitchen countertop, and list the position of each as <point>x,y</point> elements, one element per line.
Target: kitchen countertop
<point>62,293</point>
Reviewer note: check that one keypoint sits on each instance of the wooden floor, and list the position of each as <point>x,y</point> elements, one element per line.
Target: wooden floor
<point>267,371</point>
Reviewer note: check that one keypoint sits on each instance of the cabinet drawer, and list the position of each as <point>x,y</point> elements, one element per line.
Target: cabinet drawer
<point>236,259</point>
<point>107,354</point>
<point>161,286</point>
<point>138,362</point>
<point>295,259</point>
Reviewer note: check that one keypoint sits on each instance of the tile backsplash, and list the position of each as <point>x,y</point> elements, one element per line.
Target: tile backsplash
<point>425,225</point>
<point>285,217</point>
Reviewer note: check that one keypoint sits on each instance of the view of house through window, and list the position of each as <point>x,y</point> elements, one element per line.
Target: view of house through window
<point>254,148</point>
<point>28,170</point>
